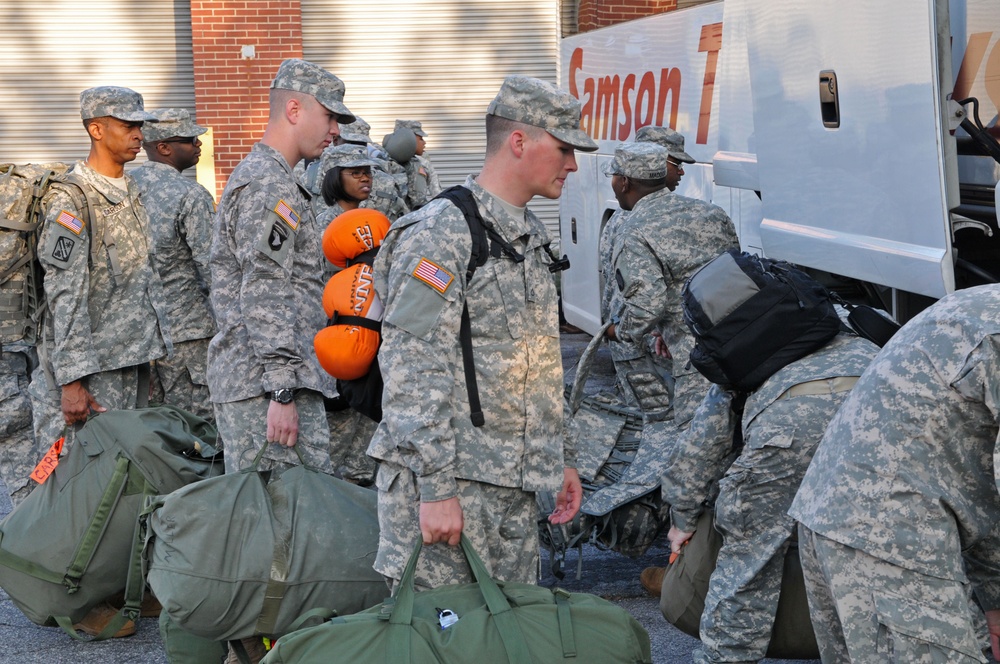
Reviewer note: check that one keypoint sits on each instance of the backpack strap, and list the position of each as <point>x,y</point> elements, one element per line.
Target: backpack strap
<point>482,249</point>
<point>83,199</point>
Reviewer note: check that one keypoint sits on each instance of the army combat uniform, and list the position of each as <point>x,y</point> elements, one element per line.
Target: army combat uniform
<point>180,215</point>
<point>427,444</point>
<point>782,423</point>
<point>900,506</point>
<point>267,293</point>
<point>106,315</point>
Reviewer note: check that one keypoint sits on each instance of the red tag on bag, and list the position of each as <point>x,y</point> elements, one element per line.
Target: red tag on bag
<point>48,462</point>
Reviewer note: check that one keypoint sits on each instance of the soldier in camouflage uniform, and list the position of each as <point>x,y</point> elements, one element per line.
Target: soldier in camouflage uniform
<point>107,316</point>
<point>440,476</point>
<point>900,506</point>
<point>334,190</point>
<point>630,357</point>
<point>266,263</point>
<point>421,178</point>
<point>180,217</point>
<point>782,423</point>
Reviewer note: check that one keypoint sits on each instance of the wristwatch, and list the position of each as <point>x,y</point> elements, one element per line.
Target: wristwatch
<point>283,396</point>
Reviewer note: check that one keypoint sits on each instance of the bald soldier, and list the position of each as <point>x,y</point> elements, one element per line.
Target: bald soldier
<point>441,475</point>
<point>180,218</point>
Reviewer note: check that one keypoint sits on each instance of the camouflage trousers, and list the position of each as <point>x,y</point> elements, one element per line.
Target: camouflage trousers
<point>869,611</point>
<point>243,429</point>
<point>350,433</point>
<point>18,454</point>
<point>500,522</point>
<point>751,513</point>
<point>182,378</point>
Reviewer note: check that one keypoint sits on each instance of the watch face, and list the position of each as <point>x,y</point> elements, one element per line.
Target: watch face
<point>282,396</point>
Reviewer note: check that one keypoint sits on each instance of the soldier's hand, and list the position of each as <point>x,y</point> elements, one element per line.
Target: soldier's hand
<point>659,347</point>
<point>442,521</point>
<point>282,423</point>
<point>77,403</point>
<point>568,500</point>
<point>993,624</point>
<point>678,538</point>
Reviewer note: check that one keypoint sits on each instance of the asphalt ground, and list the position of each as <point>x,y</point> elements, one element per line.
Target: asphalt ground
<point>604,573</point>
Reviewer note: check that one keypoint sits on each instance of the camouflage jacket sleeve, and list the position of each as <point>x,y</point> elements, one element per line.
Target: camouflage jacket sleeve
<point>195,226</point>
<point>266,302</point>
<point>420,342</point>
<point>64,252</point>
<point>700,457</point>
<point>640,279</point>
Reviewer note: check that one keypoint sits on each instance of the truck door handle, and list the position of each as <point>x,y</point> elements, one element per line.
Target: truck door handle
<point>829,99</point>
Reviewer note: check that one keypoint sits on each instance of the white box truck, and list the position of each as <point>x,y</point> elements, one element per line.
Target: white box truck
<point>829,130</point>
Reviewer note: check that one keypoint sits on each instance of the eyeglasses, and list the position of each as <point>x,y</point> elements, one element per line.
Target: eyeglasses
<point>182,139</point>
<point>676,164</point>
<point>360,174</point>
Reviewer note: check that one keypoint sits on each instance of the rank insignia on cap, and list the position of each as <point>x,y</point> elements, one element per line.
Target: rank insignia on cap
<point>434,276</point>
<point>69,221</point>
<point>287,214</point>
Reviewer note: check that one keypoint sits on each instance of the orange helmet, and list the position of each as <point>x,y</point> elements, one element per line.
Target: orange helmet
<point>352,233</point>
<point>346,349</point>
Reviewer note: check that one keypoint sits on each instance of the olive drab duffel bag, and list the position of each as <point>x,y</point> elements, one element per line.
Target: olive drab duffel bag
<point>486,622</point>
<point>685,587</point>
<point>75,540</point>
<point>245,554</point>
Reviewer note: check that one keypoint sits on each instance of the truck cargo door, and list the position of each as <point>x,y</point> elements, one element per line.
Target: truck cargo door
<point>857,167</point>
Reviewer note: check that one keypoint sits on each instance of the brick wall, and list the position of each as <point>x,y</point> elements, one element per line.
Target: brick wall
<point>231,90</point>
<point>595,14</point>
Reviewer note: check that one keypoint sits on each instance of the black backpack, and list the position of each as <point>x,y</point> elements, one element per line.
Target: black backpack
<point>751,316</point>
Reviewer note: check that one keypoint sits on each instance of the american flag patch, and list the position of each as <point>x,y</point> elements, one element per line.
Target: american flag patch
<point>70,222</point>
<point>432,275</point>
<point>287,213</point>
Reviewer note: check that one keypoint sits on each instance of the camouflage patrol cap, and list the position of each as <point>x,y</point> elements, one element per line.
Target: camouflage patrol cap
<point>345,156</point>
<point>672,140</point>
<point>356,132</point>
<point>110,101</point>
<point>540,104</point>
<point>171,122</point>
<point>303,76</point>
<point>412,125</point>
<point>642,161</point>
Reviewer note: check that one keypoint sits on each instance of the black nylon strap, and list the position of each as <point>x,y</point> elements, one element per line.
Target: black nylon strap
<point>360,321</point>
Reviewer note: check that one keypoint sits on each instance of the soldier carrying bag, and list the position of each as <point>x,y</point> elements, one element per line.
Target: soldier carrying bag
<point>486,622</point>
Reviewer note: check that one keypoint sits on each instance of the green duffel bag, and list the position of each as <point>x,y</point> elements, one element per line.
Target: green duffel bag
<point>245,554</point>
<point>486,622</point>
<point>685,587</point>
<point>76,539</point>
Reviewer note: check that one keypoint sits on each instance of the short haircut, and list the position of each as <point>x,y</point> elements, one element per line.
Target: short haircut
<point>102,120</point>
<point>648,186</point>
<point>498,129</point>
<point>333,187</point>
<point>277,98</point>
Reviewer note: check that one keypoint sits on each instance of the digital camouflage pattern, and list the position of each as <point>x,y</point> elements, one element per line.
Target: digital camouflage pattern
<point>895,616</point>
<point>183,378</point>
<point>540,104</point>
<point>426,427</point>
<point>421,182</point>
<point>352,432</point>
<point>110,101</point>
<point>415,126</point>
<point>18,453</point>
<point>612,305</point>
<point>643,161</point>
<point>97,322</point>
<point>304,76</point>
<point>781,430</point>
<point>672,140</point>
<point>662,242</point>
<point>358,132</point>
<point>171,122</point>
<point>905,471</point>
<point>267,287</point>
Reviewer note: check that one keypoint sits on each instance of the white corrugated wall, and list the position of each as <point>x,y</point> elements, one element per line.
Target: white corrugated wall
<point>52,50</point>
<point>437,61</point>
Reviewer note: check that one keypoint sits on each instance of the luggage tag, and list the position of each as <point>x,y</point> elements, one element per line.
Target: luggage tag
<point>48,463</point>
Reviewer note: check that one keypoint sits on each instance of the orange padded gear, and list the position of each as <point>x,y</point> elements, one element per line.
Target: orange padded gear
<point>346,350</point>
<point>352,233</point>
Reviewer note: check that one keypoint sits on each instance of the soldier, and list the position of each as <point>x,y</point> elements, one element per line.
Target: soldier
<point>662,241</point>
<point>180,216</point>
<point>900,506</point>
<point>422,180</point>
<point>265,380</point>
<point>440,476</point>
<point>106,316</point>
<point>347,182</point>
<point>630,357</point>
<point>781,424</point>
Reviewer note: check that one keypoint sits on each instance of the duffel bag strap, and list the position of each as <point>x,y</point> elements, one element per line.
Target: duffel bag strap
<point>98,523</point>
<point>565,617</point>
<point>401,615</point>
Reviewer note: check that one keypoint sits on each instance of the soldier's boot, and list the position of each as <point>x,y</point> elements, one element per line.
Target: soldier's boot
<point>651,579</point>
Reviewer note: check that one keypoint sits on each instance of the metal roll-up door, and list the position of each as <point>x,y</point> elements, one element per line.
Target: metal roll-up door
<point>440,62</point>
<point>53,50</point>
